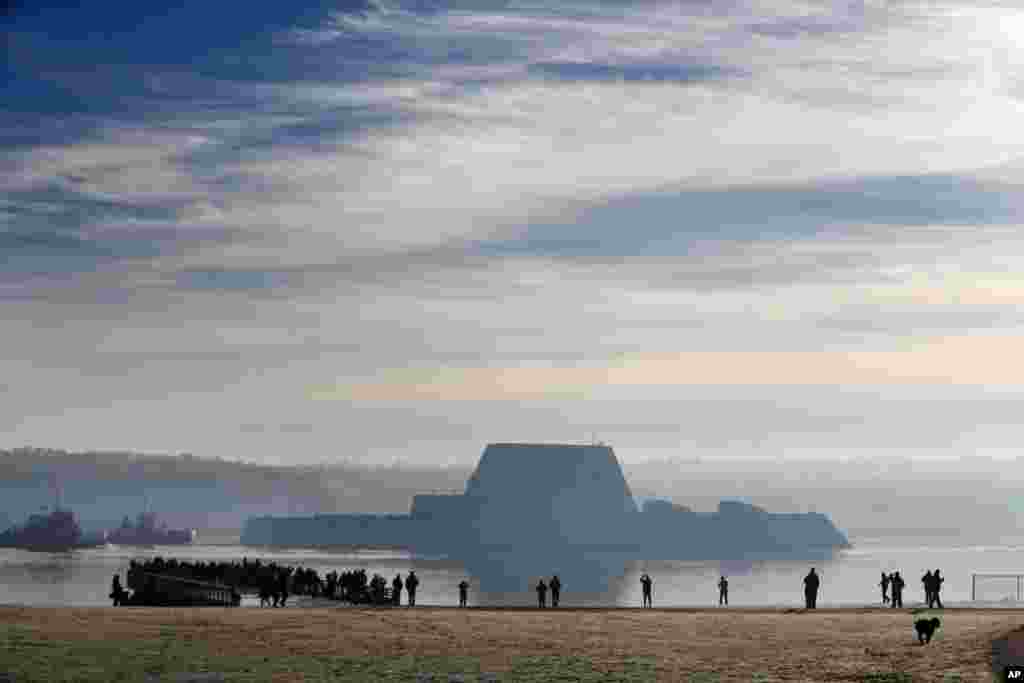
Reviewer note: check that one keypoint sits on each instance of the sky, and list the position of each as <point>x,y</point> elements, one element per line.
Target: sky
<point>398,230</point>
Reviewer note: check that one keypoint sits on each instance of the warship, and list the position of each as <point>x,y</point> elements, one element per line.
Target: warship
<point>56,532</point>
<point>146,532</point>
<point>530,509</point>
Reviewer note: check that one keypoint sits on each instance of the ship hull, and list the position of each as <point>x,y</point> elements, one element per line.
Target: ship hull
<point>57,532</point>
<point>149,542</point>
<point>51,547</point>
<point>143,544</point>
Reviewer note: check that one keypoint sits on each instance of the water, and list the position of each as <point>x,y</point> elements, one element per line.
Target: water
<point>82,578</point>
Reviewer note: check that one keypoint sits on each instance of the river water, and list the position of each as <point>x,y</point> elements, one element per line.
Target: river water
<point>849,578</point>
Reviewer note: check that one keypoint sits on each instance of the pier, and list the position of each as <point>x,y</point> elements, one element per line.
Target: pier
<point>165,590</point>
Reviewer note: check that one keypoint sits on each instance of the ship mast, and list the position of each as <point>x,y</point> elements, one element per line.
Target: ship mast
<point>55,485</point>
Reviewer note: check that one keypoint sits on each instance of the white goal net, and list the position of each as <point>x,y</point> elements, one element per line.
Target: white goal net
<point>996,587</point>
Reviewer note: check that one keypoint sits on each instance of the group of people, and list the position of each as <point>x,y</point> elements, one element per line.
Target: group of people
<point>355,587</point>
<point>897,583</point>
<point>411,583</point>
<point>276,583</point>
<point>245,574</point>
<point>542,591</point>
<point>932,585</point>
<point>150,593</point>
<point>348,586</point>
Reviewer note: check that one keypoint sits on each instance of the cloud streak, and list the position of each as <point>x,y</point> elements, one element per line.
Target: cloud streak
<point>395,202</point>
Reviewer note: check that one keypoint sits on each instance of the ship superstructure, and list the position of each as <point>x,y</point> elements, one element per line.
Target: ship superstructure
<point>147,531</point>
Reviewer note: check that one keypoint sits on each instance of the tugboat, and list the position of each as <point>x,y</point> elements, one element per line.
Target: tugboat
<point>53,533</point>
<point>56,532</point>
<point>145,532</point>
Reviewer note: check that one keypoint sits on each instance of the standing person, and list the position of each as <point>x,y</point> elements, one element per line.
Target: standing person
<point>936,587</point>
<point>928,586</point>
<point>283,587</point>
<point>463,592</point>
<point>897,590</point>
<point>811,584</point>
<point>556,590</point>
<point>723,591</point>
<point>411,582</point>
<point>645,585</point>
<point>275,594</point>
<point>116,591</point>
<point>542,594</point>
<point>885,588</point>
<point>396,590</point>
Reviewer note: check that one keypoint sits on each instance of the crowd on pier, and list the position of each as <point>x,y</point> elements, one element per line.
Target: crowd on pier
<point>275,583</point>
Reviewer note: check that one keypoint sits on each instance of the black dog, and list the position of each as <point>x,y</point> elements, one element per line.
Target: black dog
<point>925,628</point>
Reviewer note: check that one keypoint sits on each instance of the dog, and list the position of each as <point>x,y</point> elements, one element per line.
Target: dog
<point>926,628</point>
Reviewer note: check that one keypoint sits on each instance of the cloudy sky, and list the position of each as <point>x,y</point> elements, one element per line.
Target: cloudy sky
<point>401,229</point>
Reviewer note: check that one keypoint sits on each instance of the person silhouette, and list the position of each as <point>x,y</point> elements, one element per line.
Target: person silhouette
<point>283,587</point>
<point>897,590</point>
<point>646,585</point>
<point>723,591</point>
<point>116,591</point>
<point>149,593</point>
<point>396,590</point>
<point>411,582</point>
<point>884,583</point>
<point>542,594</point>
<point>556,590</point>
<point>463,592</point>
<point>928,587</point>
<point>811,584</point>
<point>936,587</point>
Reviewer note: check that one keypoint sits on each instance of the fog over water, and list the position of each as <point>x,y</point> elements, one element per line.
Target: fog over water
<point>878,496</point>
<point>83,578</point>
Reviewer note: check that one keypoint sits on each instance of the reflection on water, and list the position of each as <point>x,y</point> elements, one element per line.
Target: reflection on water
<point>82,578</point>
<point>50,569</point>
<point>586,570</point>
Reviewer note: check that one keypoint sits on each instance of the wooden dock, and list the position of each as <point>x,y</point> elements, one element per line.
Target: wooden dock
<point>167,590</point>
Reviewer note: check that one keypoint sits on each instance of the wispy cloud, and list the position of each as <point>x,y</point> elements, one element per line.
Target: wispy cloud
<point>250,207</point>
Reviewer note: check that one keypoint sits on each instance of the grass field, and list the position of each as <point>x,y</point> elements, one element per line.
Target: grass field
<point>360,645</point>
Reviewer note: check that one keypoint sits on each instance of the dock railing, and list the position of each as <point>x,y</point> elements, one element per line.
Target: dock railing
<point>181,590</point>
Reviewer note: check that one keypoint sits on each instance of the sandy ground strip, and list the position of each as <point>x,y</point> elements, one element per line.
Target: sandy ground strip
<point>786,644</point>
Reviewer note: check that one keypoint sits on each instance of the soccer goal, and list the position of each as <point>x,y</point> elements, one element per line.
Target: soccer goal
<point>996,587</point>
